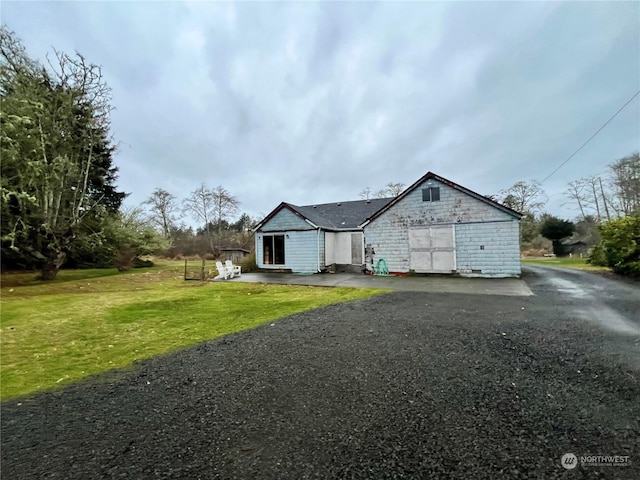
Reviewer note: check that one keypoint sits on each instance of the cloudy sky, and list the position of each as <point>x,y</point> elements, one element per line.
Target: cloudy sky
<point>312,102</point>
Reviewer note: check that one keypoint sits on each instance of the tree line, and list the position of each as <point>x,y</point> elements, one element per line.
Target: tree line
<point>597,198</point>
<point>214,209</point>
<point>58,196</point>
<point>608,221</point>
<point>60,204</point>
<point>58,188</point>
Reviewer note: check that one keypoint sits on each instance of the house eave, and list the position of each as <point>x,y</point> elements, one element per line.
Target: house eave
<point>275,211</point>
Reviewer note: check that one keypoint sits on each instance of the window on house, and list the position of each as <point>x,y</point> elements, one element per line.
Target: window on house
<point>273,249</point>
<point>431,194</point>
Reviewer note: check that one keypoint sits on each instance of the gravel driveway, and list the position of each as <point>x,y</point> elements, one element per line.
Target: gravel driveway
<point>404,385</point>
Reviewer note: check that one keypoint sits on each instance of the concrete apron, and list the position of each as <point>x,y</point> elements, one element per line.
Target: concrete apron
<point>480,286</point>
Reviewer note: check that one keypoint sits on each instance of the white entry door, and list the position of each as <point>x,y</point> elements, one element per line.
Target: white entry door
<point>432,249</point>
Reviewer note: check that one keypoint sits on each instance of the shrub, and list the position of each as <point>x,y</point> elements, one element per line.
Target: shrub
<point>620,245</point>
<point>248,264</point>
<point>598,256</point>
<point>538,247</point>
<point>140,263</point>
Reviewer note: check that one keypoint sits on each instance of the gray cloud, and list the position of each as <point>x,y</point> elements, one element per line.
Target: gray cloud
<point>311,102</point>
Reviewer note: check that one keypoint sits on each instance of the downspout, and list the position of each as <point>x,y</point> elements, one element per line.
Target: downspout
<point>318,242</point>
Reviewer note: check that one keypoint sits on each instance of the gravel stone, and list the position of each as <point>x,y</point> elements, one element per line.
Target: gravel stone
<point>403,385</point>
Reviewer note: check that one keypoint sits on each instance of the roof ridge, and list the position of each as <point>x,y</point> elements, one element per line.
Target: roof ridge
<point>368,200</point>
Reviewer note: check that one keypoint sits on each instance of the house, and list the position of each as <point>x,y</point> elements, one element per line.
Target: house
<point>434,226</point>
<point>572,246</point>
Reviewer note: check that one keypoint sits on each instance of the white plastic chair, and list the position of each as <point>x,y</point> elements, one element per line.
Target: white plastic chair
<point>223,272</point>
<point>234,269</point>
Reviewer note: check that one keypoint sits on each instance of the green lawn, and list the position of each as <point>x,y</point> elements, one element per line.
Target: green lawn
<point>579,263</point>
<point>90,321</point>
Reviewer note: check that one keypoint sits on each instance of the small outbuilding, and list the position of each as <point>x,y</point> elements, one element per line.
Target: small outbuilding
<point>571,246</point>
<point>236,255</point>
<point>434,226</point>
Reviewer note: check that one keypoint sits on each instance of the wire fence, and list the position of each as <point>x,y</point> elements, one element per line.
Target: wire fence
<point>196,271</point>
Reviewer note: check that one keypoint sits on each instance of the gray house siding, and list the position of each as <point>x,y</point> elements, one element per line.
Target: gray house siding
<point>300,250</point>
<point>285,220</point>
<point>474,223</point>
<point>488,249</point>
<point>301,243</point>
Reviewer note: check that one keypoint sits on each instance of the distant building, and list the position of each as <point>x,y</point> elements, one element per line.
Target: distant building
<point>573,247</point>
<point>234,254</point>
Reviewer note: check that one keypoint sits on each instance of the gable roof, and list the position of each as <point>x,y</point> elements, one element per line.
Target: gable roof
<point>333,216</point>
<point>356,214</point>
<point>431,175</point>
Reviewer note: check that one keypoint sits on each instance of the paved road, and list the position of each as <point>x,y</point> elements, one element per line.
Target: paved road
<point>403,385</point>
<point>609,303</point>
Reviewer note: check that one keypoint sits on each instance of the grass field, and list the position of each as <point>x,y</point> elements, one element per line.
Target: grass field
<point>579,263</point>
<point>90,321</point>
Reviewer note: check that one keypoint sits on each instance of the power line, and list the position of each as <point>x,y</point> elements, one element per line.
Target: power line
<point>590,138</point>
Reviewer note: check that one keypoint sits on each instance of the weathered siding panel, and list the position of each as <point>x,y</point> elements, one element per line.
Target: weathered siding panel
<point>390,242</point>
<point>285,220</point>
<point>300,251</point>
<point>488,249</point>
<point>388,233</point>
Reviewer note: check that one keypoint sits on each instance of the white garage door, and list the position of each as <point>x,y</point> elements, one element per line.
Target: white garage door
<point>432,249</point>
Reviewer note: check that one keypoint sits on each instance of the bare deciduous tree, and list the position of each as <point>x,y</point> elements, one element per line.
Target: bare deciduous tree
<point>592,183</point>
<point>390,190</point>
<point>201,206</point>
<point>395,189</point>
<point>212,207</point>
<point>225,206</point>
<point>575,191</point>
<point>524,197</point>
<point>626,183</point>
<point>163,210</point>
<point>365,193</point>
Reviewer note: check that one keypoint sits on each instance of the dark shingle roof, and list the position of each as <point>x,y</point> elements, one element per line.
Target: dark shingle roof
<point>341,214</point>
